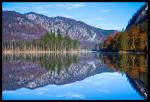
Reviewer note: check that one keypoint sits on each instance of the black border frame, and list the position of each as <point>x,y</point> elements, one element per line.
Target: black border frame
<point>68,1</point>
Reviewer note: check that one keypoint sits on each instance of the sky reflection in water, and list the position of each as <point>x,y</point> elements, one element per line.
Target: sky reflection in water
<point>102,86</point>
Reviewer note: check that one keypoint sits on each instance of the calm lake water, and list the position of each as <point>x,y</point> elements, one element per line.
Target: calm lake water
<point>90,76</point>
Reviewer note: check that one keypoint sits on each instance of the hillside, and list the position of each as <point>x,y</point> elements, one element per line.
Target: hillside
<point>32,26</point>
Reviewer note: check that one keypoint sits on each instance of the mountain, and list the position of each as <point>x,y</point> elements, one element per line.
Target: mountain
<point>17,26</point>
<point>26,73</point>
<point>140,16</point>
<point>74,29</point>
<point>32,26</point>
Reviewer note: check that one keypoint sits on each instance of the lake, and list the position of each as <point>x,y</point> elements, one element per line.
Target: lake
<point>82,76</point>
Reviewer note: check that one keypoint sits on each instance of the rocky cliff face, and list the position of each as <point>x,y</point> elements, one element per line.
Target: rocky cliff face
<point>74,29</point>
<point>32,25</point>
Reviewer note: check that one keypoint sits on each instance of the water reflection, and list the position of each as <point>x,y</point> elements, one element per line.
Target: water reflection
<point>35,71</point>
<point>134,65</point>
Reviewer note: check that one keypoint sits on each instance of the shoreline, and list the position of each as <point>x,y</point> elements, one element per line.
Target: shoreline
<point>73,52</point>
<point>40,52</point>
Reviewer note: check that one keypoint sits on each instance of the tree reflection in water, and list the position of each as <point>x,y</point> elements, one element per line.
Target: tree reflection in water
<point>53,61</point>
<point>135,66</point>
<point>37,70</point>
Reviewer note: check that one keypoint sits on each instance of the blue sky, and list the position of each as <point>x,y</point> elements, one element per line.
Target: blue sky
<point>105,15</point>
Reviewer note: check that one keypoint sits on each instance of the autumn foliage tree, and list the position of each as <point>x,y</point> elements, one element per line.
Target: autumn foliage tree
<point>133,39</point>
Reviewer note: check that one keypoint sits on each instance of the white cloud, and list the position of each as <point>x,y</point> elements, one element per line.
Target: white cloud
<point>70,6</point>
<point>62,15</point>
<point>17,8</point>
<point>105,10</point>
<point>91,20</point>
<point>71,95</point>
<point>43,9</point>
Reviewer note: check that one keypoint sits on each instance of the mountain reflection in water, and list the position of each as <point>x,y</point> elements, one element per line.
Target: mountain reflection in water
<point>33,71</point>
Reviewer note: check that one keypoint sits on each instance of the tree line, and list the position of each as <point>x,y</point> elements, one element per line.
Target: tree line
<point>52,62</point>
<point>49,42</point>
<point>132,39</point>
